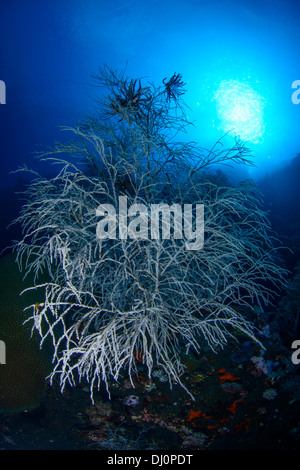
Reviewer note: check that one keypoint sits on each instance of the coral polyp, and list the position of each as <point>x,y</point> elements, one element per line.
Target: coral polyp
<point>114,303</point>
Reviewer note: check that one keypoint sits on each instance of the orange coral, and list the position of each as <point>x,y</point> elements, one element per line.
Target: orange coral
<point>214,426</point>
<point>233,406</point>
<point>138,355</point>
<point>227,376</point>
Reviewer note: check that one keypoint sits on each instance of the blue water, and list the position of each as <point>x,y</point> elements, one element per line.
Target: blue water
<point>238,59</point>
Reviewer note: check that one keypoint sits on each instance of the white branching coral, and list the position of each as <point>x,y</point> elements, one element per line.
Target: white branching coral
<point>113,302</point>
